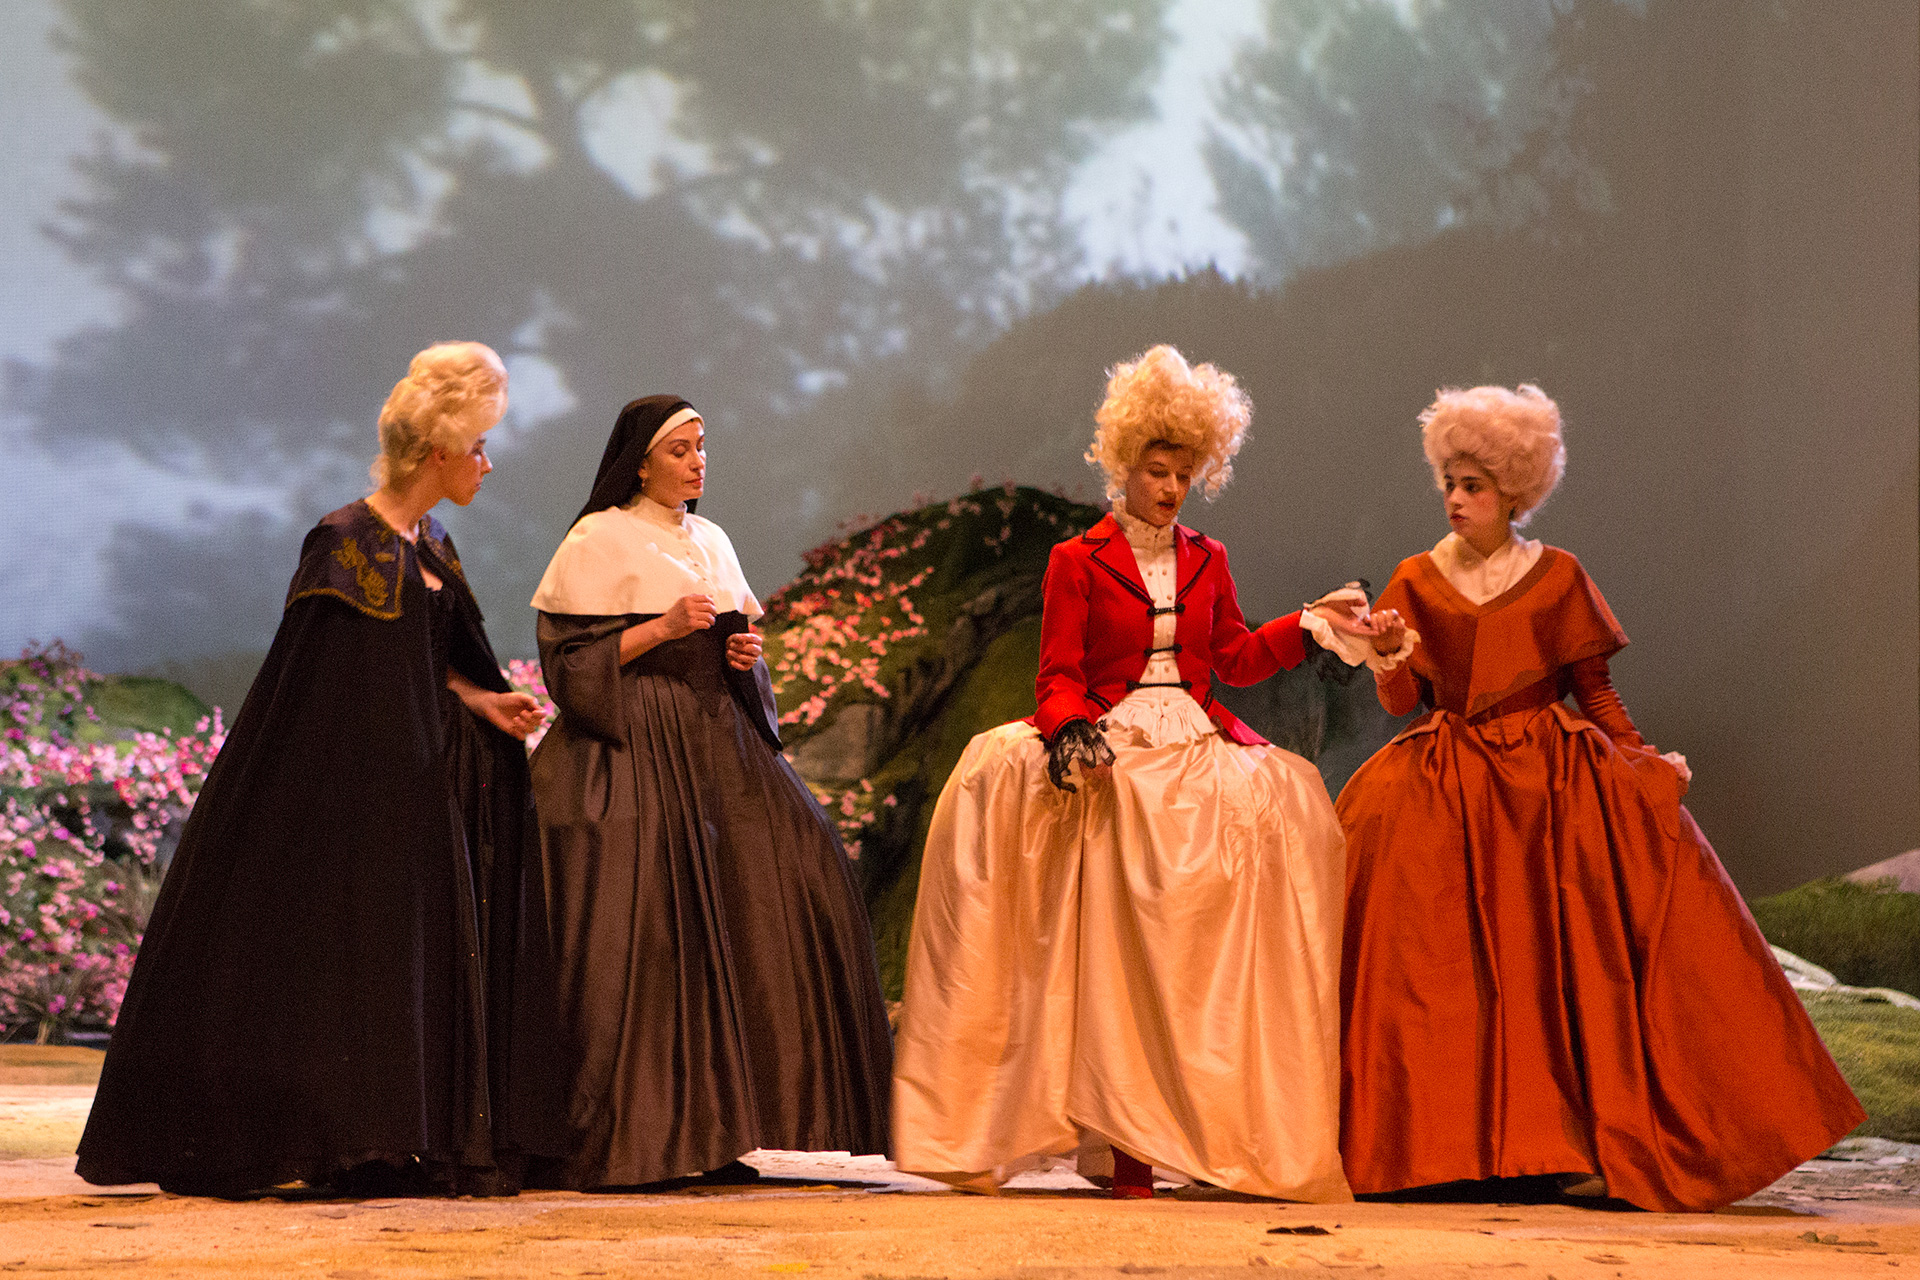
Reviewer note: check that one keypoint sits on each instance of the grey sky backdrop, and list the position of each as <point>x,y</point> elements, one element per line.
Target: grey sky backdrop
<point>887,246</point>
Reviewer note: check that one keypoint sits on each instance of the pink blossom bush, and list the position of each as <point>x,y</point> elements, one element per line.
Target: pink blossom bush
<point>856,620</point>
<point>830,629</point>
<point>84,831</point>
<point>853,810</point>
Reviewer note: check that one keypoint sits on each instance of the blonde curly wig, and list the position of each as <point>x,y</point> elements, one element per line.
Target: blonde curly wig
<point>453,392</point>
<point>1160,398</point>
<point>1515,435</point>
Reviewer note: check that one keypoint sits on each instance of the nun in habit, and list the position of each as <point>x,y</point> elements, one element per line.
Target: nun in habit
<point>718,991</point>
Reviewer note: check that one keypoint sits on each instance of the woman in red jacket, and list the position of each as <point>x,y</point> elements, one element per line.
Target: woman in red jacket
<point>1143,959</point>
<point>1547,972</point>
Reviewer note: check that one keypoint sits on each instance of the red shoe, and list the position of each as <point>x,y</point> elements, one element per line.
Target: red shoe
<point>1132,1179</point>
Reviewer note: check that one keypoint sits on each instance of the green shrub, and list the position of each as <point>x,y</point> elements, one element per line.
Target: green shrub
<point>1866,935</point>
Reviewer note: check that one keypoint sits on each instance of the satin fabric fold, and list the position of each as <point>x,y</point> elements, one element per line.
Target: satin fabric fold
<point>1151,963</point>
<point>716,971</point>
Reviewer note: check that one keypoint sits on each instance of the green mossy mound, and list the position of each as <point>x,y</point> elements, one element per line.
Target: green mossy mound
<point>1866,935</point>
<point>1877,1048</point>
<point>55,696</point>
<point>140,704</point>
<point>891,650</point>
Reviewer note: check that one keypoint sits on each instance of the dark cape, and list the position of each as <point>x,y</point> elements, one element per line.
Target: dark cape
<point>347,962</point>
<point>716,964</point>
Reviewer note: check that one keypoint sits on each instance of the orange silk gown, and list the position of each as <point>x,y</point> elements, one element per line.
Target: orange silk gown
<point>1546,969</point>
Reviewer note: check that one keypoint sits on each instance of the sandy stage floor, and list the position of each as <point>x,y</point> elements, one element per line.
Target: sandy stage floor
<point>840,1216</point>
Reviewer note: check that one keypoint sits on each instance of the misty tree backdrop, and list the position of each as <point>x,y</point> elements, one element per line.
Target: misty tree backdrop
<point>858,234</point>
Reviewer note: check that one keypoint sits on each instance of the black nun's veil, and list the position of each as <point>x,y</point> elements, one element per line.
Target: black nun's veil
<point>619,476</point>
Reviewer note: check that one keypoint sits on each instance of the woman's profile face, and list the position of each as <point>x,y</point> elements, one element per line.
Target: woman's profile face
<point>674,471</point>
<point>1476,508</point>
<point>461,473</point>
<point>1157,484</point>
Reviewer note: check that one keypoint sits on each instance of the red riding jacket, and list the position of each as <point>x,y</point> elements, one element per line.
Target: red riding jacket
<point>1096,629</point>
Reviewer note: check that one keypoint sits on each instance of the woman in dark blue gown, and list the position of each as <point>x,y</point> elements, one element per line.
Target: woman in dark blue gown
<point>345,978</point>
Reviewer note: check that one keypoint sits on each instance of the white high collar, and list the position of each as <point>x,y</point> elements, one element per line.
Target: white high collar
<point>640,558</point>
<point>1141,536</point>
<point>647,509</point>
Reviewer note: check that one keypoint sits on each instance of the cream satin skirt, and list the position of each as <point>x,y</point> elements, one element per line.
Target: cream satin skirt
<point>1152,963</point>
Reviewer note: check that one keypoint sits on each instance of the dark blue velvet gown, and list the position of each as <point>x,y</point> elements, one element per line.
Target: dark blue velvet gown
<point>347,965</point>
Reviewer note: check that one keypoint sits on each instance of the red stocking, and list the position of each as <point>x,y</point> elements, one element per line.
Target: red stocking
<point>1132,1179</point>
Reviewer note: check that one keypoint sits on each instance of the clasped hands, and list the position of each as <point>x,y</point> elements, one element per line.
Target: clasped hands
<point>1346,611</point>
<point>689,614</point>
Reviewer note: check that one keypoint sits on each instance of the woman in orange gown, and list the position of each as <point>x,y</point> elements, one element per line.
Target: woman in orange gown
<point>1547,970</point>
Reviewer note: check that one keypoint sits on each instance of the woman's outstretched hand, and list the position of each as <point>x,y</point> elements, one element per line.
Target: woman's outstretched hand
<point>515,713</point>
<point>687,615</point>
<point>1345,609</point>
<point>1076,742</point>
<point>743,650</point>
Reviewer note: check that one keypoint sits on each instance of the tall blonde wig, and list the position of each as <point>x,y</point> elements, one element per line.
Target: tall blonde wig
<point>453,392</point>
<point>1514,435</point>
<point>1160,398</point>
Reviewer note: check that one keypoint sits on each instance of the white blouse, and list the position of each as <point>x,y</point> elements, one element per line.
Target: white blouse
<point>1160,716</point>
<point>640,558</point>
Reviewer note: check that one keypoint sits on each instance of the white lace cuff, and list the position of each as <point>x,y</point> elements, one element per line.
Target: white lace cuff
<point>1388,661</point>
<point>1353,650</point>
